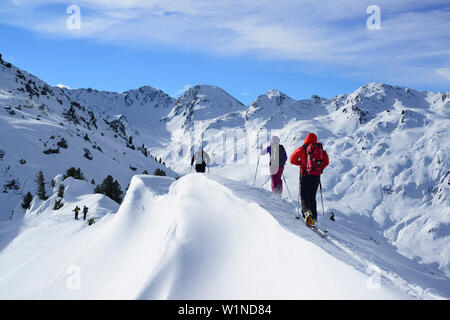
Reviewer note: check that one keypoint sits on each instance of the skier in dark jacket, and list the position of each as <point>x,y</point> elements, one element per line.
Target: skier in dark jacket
<point>76,210</point>
<point>278,159</point>
<point>201,159</point>
<point>309,176</point>
<point>85,211</point>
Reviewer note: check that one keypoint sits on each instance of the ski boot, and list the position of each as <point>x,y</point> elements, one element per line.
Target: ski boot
<point>310,222</point>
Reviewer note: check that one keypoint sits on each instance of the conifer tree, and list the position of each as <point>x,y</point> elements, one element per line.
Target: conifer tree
<point>110,188</point>
<point>40,182</point>
<point>74,173</point>
<point>27,200</point>
<point>159,172</point>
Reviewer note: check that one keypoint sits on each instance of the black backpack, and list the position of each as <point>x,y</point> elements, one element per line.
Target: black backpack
<point>282,157</point>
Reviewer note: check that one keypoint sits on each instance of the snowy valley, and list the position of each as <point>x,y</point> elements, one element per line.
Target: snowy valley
<point>218,236</point>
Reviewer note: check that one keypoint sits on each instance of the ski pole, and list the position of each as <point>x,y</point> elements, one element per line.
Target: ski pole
<point>257,163</point>
<point>323,208</point>
<point>299,194</point>
<point>287,188</point>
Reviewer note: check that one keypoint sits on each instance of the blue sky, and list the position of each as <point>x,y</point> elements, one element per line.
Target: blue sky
<point>245,47</point>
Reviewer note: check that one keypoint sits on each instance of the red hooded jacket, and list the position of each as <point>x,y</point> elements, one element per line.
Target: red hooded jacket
<point>298,157</point>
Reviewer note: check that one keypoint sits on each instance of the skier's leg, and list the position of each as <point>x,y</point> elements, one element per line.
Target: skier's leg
<point>276,182</point>
<point>273,180</point>
<point>304,194</point>
<point>306,204</point>
<point>279,180</point>
<point>200,168</point>
<point>308,188</point>
<point>273,183</point>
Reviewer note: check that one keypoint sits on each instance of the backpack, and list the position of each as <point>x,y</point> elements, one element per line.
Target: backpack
<point>315,156</point>
<point>281,155</point>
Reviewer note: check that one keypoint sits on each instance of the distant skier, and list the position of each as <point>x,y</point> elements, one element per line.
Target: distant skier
<point>278,159</point>
<point>76,210</point>
<point>312,160</point>
<point>201,159</point>
<point>85,211</point>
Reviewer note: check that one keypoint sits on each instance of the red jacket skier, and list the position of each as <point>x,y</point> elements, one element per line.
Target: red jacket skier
<point>310,172</point>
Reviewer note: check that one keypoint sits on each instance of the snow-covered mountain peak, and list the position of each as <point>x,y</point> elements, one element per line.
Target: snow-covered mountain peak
<point>144,89</point>
<point>273,93</point>
<point>148,93</point>
<point>204,102</point>
<point>149,96</point>
<point>316,100</point>
<point>145,96</point>
<point>372,99</point>
<point>271,99</point>
<point>202,93</point>
<point>378,91</point>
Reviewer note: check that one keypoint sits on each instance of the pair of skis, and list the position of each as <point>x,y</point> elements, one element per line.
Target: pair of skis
<point>320,232</point>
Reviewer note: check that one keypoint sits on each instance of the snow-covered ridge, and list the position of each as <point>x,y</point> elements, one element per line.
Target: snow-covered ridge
<point>172,241</point>
<point>147,101</point>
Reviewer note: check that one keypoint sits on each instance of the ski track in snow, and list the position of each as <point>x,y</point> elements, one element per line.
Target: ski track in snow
<point>354,247</point>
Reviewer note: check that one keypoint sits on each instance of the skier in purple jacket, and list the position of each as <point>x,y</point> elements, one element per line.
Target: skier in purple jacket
<point>278,159</point>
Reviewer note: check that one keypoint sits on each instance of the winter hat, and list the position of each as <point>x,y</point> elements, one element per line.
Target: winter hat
<point>274,140</point>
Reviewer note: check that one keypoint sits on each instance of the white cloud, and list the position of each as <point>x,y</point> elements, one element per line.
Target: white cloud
<point>323,34</point>
<point>444,72</point>
<point>179,92</point>
<point>62,86</point>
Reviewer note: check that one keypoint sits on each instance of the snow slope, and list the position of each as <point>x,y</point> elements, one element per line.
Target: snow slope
<point>185,244</point>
